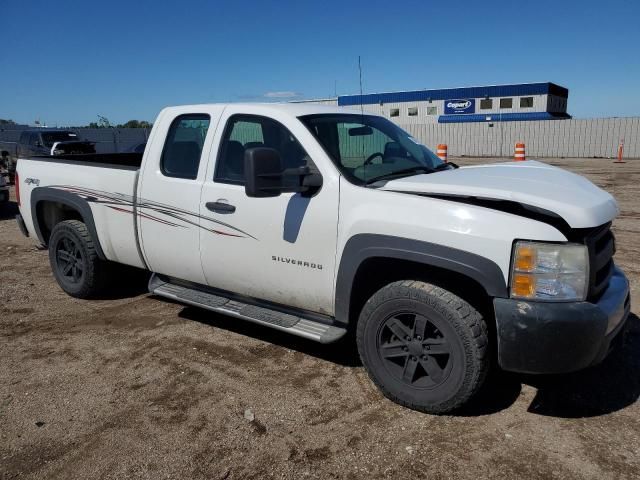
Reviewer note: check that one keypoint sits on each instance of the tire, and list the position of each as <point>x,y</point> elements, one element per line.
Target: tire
<point>74,260</point>
<point>423,346</point>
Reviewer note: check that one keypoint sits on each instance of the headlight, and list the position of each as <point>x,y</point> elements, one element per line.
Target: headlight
<point>546,271</point>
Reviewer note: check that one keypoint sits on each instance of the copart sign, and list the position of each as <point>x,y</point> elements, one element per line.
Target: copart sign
<point>465,105</point>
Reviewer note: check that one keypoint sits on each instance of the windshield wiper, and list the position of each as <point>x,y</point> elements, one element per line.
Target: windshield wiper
<point>401,173</point>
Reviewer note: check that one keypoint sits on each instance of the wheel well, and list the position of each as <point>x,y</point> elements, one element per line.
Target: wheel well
<point>49,214</point>
<point>375,273</point>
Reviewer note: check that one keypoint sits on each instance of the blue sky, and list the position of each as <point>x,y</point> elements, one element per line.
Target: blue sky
<point>66,62</point>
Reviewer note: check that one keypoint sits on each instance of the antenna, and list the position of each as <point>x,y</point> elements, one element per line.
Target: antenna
<point>361,99</point>
<point>364,164</point>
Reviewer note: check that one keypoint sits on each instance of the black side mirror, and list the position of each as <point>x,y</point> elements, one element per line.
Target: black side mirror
<point>265,176</point>
<point>262,172</point>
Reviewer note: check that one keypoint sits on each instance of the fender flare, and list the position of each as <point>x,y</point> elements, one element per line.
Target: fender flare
<point>71,200</point>
<point>362,247</point>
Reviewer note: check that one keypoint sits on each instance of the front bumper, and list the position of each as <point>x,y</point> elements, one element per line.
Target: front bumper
<point>554,337</point>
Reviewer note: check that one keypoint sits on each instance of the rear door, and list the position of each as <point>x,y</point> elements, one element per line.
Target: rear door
<point>170,189</point>
<point>280,249</point>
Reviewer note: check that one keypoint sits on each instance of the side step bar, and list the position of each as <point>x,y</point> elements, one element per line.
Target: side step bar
<point>294,324</point>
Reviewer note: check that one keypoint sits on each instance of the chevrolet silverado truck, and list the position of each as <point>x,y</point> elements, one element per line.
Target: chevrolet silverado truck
<point>318,221</point>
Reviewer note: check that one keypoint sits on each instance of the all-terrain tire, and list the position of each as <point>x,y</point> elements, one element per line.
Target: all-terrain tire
<point>423,346</point>
<point>74,260</point>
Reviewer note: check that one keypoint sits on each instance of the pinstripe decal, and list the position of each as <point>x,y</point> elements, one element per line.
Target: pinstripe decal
<point>177,217</point>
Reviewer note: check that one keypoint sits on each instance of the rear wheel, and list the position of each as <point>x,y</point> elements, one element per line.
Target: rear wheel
<point>74,260</point>
<point>423,346</point>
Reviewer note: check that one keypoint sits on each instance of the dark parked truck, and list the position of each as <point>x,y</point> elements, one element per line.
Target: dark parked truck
<point>52,142</point>
<point>4,191</point>
<point>316,221</point>
<point>42,141</point>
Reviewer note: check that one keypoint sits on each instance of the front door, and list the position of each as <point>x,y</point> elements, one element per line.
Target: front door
<point>280,249</point>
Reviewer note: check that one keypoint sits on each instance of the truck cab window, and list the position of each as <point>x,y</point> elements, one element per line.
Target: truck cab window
<point>364,147</point>
<point>49,138</point>
<point>247,131</point>
<point>183,146</point>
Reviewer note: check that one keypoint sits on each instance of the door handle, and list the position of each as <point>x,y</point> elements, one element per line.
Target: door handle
<point>220,207</point>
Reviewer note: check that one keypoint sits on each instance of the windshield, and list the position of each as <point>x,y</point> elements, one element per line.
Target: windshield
<point>49,138</point>
<point>365,147</point>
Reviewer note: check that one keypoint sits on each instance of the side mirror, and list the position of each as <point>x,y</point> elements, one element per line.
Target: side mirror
<point>265,176</point>
<point>262,172</point>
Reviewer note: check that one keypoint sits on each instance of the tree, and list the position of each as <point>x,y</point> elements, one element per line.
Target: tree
<point>7,122</point>
<point>103,122</point>
<point>135,124</point>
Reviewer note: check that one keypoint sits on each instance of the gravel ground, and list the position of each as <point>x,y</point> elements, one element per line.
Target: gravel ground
<point>138,387</point>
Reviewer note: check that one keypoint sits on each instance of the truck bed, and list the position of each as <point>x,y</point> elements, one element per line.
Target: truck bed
<point>107,190</point>
<point>125,160</point>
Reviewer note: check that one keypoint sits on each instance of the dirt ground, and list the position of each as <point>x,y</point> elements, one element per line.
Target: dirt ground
<point>138,387</point>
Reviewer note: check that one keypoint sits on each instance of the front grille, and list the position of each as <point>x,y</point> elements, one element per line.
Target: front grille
<point>601,245</point>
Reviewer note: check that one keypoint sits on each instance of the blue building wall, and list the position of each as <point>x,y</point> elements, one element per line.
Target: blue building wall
<point>549,103</point>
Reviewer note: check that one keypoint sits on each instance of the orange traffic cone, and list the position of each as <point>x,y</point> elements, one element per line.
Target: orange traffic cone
<point>620,152</point>
<point>519,155</point>
<point>442,152</point>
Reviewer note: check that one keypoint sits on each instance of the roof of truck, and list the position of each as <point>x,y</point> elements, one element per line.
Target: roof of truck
<point>296,109</point>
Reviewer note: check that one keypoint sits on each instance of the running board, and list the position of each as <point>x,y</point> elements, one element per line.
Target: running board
<point>294,324</point>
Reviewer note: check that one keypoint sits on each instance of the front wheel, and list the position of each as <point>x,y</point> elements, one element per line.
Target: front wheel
<point>74,260</point>
<point>423,346</point>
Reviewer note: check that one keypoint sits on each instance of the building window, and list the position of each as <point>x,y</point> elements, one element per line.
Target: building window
<point>413,111</point>
<point>394,112</point>
<point>506,102</point>
<point>486,104</point>
<point>526,102</point>
<point>432,110</point>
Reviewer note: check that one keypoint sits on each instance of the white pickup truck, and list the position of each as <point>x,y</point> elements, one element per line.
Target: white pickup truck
<point>318,221</point>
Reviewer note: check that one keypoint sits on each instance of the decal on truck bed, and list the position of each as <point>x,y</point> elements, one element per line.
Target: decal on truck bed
<point>32,181</point>
<point>149,210</point>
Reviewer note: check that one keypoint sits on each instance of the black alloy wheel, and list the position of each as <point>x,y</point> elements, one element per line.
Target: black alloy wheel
<point>414,350</point>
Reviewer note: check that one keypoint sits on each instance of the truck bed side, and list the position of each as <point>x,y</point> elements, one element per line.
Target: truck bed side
<point>100,187</point>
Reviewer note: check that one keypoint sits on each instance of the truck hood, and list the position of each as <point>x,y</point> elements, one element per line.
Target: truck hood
<point>532,184</point>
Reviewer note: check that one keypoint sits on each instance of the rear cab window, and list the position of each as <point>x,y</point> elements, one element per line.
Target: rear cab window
<point>183,146</point>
